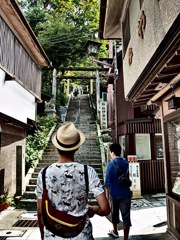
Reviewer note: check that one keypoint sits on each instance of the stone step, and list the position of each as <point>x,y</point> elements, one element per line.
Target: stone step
<point>88,140</point>
<point>97,166</point>
<point>28,204</point>
<point>86,155</point>
<point>84,148</point>
<point>32,187</point>
<point>30,195</point>
<point>86,144</point>
<point>33,202</point>
<point>92,150</point>
<point>84,160</point>
<point>89,152</point>
<point>38,169</point>
<point>33,181</point>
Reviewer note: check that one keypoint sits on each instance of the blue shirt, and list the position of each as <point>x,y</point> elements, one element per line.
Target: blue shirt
<point>115,189</point>
<point>63,110</point>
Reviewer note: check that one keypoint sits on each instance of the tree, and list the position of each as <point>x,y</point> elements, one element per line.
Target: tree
<point>33,10</point>
<point>63,28</point>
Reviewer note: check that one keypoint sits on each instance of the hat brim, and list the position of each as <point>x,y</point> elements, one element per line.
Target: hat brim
<point>55,143</point>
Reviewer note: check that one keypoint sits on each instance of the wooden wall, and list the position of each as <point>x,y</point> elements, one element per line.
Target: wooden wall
<point>15,59</point>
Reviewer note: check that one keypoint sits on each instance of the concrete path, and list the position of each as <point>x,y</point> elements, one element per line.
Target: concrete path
<point>148,217</point>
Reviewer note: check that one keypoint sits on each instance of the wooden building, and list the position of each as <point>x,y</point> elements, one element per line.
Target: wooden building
<point>139,133</point>
<point>150,34</point>
<point>20,89</point>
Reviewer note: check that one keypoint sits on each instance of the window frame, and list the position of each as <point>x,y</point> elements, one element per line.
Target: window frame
<point>149,145</point>
<point>159,134</point>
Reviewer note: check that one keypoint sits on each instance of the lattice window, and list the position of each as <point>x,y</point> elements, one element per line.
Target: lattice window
<point>17,61</point>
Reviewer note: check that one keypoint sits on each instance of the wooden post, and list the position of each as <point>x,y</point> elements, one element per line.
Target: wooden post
<point>110,91</point>
<point>91,83</point>
<point>97,92</point>
<point>20,171</point>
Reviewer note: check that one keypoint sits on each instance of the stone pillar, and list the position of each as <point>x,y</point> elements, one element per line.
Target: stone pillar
<point>54,83</point>
<point>68,83</point>
<point>67,90</point>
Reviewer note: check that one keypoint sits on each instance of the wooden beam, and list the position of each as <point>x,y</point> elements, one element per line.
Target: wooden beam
<point>81,69</point>
<point>76,77</point>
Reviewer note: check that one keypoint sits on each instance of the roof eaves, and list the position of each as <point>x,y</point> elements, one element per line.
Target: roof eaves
<point>30,31</point>
<point>102,18</point>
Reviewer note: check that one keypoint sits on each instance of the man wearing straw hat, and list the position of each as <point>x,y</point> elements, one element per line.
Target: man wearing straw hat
<point>66,186</point>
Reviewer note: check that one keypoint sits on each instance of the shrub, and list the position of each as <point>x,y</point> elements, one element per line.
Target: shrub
<point>38,141</point>
<point>4,197</point>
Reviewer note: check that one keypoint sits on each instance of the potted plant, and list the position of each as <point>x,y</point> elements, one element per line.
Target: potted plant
<point>3,201</point>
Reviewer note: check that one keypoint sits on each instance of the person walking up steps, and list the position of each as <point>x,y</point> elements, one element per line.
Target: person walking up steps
<point>119,195</point>
<point>66,185</point>
<point>63,113</point>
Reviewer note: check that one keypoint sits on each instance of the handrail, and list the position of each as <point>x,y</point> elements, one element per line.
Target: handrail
<point>103,155</point>
<point>78,114</point>
<point>91,105</point>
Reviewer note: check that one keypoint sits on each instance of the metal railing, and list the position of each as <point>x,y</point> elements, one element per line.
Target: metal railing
<point>92,108</point>
<point>78,113</point>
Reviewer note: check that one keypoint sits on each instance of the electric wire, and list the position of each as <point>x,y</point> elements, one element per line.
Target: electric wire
<point>55,40</point>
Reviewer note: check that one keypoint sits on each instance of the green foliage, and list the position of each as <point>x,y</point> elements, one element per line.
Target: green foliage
<point>62,99</point>
<point>38,141</point>
<point>4,197</point>
<point>46,122</point>
<point>63,27</point>
<point>106,138</point>
<point>33,10</point>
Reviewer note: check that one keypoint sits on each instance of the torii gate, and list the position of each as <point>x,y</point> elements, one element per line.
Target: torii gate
<point>89,69</point>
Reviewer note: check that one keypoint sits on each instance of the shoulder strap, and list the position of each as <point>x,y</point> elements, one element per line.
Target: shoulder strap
<point>43,177</point>
<point>118,168</point>
<point>86,178</point>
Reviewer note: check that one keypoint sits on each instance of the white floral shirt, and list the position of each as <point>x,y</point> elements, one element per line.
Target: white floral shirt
<point>66,187</point>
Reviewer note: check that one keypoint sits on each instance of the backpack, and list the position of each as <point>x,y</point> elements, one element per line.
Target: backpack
<point>58,222</point>
<point>123,179</point>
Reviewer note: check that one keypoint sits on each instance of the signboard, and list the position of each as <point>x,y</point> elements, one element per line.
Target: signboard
<point>134,175</point>
<point>132,158</point>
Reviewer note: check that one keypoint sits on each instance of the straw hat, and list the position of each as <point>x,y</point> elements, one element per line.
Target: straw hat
<point>68,137</point>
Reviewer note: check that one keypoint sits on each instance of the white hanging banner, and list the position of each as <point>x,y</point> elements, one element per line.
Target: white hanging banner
<point>134,175</point>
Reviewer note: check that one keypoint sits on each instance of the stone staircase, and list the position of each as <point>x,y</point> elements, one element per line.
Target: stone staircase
<point>89,153</point>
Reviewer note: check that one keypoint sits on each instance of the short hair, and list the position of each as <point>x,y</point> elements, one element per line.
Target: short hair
<point>61,152</point>
<point>116,148</point>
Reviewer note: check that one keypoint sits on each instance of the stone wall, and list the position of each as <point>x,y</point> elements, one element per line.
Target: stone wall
<point>12,138</point>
